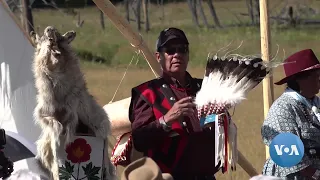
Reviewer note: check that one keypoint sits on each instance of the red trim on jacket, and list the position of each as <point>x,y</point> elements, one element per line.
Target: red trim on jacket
<point>167,157</point>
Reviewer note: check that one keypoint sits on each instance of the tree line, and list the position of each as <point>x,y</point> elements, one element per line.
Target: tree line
<point>83,3</point>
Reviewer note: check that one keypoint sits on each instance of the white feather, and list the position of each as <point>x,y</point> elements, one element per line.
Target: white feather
<point>218,91</point>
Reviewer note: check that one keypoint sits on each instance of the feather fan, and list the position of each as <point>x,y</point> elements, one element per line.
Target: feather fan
<point>225,84</point>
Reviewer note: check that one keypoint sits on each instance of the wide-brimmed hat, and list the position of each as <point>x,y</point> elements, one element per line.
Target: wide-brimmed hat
<point>144,169</point>
<point>299,62</point>
<point>263,177</point>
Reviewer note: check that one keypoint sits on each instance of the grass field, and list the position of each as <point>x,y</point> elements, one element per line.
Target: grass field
<point>104,78</point>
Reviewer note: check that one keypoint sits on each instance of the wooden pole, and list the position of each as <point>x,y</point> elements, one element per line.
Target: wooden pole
<point>246,165</point>
<point>146,14</point>
<point>268,94</point>
<point>26,16</point>
<point>123,26</point>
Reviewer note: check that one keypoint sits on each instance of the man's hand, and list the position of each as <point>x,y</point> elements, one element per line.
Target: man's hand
<point>183,107</point>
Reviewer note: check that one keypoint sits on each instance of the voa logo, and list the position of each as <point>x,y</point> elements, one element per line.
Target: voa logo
<point>286,149</point>
<point>293,150</point>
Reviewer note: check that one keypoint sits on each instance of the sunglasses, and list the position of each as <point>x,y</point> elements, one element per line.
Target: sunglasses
<point>173,50</point>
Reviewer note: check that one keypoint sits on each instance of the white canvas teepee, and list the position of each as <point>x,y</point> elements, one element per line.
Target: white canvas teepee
<point>17,91</point>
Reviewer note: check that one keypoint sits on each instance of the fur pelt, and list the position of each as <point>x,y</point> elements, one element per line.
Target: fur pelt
<point>62,98</point>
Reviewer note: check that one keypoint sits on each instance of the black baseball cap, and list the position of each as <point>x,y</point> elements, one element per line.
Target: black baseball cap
<point>169,34</point>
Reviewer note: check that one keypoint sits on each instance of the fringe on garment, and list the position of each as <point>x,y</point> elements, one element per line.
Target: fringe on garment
<point>226,83</point>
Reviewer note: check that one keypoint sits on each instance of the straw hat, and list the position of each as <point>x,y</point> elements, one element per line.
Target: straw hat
<point>262,177</point>
<point>144,169</point>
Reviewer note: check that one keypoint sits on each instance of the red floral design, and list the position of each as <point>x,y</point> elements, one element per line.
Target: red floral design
<point>78,151</point>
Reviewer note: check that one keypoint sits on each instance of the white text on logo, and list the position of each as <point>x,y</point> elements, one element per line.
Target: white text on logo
<point>282,148</point>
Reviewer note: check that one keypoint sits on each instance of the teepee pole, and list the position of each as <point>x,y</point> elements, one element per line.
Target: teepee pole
<point>123,26</point>
<point>268,94</point>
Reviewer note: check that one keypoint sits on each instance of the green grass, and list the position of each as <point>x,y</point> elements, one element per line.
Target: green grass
<point>94,43</point>
<point>103,79</point>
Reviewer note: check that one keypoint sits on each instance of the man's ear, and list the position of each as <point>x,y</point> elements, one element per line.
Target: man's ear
<point>157,54</point>
<point>69,36</point>
<point>34,38</point>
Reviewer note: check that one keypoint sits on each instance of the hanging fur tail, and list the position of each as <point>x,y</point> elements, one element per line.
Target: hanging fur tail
<point>226,83</point>
<point>47,147</point>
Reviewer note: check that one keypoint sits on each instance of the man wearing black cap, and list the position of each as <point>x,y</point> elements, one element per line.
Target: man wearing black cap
<point>165,126</point>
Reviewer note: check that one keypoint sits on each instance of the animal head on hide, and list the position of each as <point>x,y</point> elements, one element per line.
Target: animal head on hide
<point>52,48</point>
